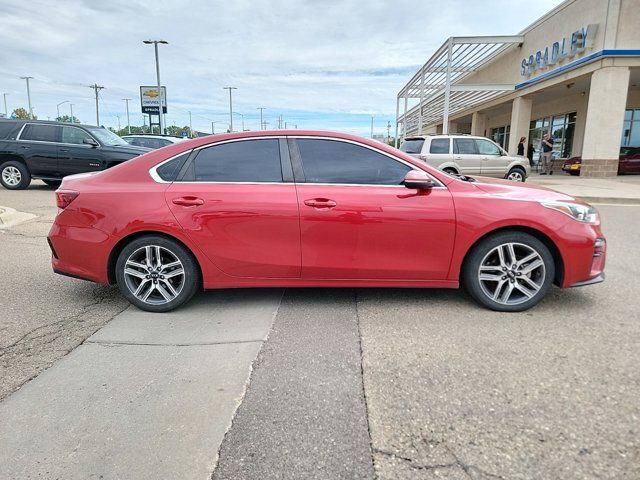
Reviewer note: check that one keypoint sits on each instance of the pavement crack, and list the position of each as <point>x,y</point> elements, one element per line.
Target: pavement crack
<point>413,464</point>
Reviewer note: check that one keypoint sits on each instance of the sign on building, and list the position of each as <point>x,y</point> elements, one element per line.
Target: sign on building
<point>150,100</point>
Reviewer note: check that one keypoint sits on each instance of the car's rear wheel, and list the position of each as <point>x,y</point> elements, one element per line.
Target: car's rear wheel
<point>14,175</point>
<point>509,271</point>
<point>517,174</point>
<point>157,274</point>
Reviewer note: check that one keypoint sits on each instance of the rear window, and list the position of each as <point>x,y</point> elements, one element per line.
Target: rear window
<point>464,146</point>
<point>412,145</point>
<point>40,133</point>
<point>439,145</point>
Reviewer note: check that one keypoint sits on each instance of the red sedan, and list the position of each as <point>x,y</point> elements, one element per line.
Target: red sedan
<point>316,209</point>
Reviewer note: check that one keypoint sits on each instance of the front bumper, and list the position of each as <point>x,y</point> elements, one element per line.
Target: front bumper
<point>592,281</point>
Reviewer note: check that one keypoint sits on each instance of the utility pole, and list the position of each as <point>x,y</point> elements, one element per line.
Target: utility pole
<point>96,89</point>
<point>213,130</point>
<point>29,96</point>
<point>190,127</point>
<point>279,122</point>
<point>144,122</point>
<point>127,100</point>
<point>371,126</point>
<point>230,106</point>
<point>160,102</point>
<point>388,131</point>
<point>118,116</point>
<point>6,110</point>
<point>261,123</point>
<point>71,109</point>
<point>58,107</point>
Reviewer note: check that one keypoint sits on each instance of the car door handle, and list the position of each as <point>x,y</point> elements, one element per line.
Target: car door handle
<point>26,147</point>
<point>63,150</point>
<point>320,203</point>
<point>457,157</point>
<point>188,201</point>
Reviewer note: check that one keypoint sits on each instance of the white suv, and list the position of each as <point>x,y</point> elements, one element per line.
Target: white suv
<point>467,155</point>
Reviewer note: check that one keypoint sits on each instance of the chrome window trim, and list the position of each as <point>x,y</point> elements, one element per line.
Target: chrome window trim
<point>154,175</point>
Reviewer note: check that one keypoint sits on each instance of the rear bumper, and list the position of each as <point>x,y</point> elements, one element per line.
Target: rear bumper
<point>597,279</point>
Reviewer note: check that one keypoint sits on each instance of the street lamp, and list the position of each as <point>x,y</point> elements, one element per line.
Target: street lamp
<point>155,45</point>
<point>6,110</point>
<point>230,106</point>
<point>58,107</point>
<point>238,113</point>
<point>71,109</point>
<point>261,124</point>
<point>127,100</point>
<point>29,96</point>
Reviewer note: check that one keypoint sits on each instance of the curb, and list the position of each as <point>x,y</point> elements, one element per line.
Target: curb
<point>610,200</point>
<point>10,217</point>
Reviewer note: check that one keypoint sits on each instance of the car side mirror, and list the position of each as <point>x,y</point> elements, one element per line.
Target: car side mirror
<point>90,141</point>
<point>419,180</point>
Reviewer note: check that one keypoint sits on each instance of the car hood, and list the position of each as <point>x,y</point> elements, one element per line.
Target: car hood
<point>520,191</point>
<point>131,149</point>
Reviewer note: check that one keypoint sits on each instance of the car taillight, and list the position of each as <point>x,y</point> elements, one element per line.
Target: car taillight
<point>65,197</point>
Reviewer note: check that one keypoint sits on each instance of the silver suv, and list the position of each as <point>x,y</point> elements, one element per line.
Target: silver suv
<point>467,155</point>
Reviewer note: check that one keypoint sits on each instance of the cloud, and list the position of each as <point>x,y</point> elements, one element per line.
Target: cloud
<point>323,64</point>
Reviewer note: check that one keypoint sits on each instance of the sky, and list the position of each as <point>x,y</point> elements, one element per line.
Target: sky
<point>320,64</point>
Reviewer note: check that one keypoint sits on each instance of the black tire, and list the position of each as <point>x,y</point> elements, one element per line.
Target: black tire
<point>53,183</point>
<point>573,173</point>
<point>450,171</point>
<point>508,280</point>
<point>14,171</point>
<point>191,280</point>
<point>517,171</point>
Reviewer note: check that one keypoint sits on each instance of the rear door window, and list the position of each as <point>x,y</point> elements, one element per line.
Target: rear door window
<point>41,133</point>
<point>244,161</point>
<point>439,145</point>
<point>464,146</point>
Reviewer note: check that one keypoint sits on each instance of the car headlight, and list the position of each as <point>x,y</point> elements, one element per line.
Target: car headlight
<point>579,212</point>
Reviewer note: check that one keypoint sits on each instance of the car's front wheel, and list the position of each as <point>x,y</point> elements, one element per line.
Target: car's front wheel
<point>509,271</point>
<point>14,175</point>
<point>157,274</point>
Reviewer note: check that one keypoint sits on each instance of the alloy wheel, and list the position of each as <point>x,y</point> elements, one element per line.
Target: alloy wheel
<point>154,274</point>
<point>511,273</point>
<point>516,176</point>
<point>11,176</point>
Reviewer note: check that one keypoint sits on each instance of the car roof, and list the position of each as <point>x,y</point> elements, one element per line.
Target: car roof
<point>147,135</point>
<point>47,122</point>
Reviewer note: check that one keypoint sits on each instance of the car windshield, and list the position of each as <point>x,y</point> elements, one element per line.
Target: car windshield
<point>412,145</point>
<point>107,137</point>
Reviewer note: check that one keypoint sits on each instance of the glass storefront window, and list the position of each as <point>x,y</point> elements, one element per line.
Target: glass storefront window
<point>500,135</point>
<point>560,127</point>
<point>631,128</point>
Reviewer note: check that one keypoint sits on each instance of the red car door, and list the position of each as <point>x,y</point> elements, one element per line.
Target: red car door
<point>236,206</point>
<point>358,222</point>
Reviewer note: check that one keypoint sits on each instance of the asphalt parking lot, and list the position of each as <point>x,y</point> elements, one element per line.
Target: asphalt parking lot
<point>322,383</point>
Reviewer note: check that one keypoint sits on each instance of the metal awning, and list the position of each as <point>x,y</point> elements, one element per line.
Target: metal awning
<point>439,84</point>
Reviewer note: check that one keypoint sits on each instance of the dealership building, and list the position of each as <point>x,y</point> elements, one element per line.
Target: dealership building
<point>574,74</point>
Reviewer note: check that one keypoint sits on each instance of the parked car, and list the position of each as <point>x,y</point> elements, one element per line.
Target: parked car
<point>467,155</point>
<point>291,208</point>
<point>628,163</point>
<point>152,141</point>
<point>50,151</point>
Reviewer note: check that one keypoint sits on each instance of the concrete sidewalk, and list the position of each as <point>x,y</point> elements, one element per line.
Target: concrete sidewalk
<point>147,396</point>
<point>624,189</point>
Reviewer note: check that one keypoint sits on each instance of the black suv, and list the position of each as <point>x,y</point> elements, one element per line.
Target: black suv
<point>51,150</point>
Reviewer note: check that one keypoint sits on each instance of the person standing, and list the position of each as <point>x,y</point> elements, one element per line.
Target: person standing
<point>530,152</point>
<point>521,146</point>
<point>546,149</point>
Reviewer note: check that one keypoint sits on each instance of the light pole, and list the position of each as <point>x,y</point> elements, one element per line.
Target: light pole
<point>58,107</point>
<point>155,44</point>
<point>71,109</point>
<point>371,126</point>
<point>230,106</point>
<point>126,101</point>
<point>29,96</point>
<point>261,109</point>
<point>118,116</point>
<point>6,110</point>
<point>190,127</point>
<point>241,115</point>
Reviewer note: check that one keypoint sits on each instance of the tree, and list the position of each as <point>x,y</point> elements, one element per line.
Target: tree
<point>22,114</point>
<point>67,118</point>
